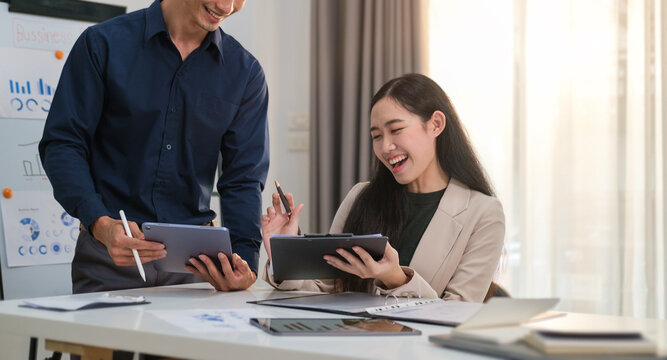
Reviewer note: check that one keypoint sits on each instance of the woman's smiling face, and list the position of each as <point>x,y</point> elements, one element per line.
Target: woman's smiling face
<point>404,143</point>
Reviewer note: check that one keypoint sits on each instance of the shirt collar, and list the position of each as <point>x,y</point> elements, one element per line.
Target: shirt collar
<point>215,38</point>
<point>154,21</point>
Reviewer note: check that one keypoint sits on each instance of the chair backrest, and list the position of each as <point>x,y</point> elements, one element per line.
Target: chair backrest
<point>495,290</point>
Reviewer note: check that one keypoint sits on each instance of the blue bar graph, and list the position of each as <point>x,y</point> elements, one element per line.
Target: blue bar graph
<point>15,87</point>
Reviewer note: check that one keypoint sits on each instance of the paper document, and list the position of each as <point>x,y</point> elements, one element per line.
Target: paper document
<point>210,320</point>
<point>71,304</point>
<point>36,229</point>
<point>436,311</point>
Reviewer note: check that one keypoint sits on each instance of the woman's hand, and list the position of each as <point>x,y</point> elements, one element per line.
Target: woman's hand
<point>387,269</point>
<point>277,222</point>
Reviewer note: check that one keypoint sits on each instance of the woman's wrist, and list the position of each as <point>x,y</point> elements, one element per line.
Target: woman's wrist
<point>395,279</point>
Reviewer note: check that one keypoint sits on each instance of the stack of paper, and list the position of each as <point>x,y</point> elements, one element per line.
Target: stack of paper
<point>497,330</point>
<point>586,342</point>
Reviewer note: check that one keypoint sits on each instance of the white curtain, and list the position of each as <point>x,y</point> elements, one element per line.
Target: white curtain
<point>563,101</point>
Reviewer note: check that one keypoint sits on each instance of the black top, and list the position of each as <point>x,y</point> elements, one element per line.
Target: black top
<point>419,212</point>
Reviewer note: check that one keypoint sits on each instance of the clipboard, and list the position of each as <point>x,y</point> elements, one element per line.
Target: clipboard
<point>428,311</point>
<point>301,257</point>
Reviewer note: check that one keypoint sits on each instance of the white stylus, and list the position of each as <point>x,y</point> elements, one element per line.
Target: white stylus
<point>134,251</point>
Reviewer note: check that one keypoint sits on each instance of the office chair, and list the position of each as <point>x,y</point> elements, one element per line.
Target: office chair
<point>495,290</point>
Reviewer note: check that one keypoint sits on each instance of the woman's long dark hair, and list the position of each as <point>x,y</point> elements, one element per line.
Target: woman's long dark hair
<point>380,207</point>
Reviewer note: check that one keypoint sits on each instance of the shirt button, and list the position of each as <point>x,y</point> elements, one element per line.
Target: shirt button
<point>168,146</point>
<point>172,110</point>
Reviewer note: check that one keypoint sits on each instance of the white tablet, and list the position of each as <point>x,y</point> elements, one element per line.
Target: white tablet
<point>185,241</point>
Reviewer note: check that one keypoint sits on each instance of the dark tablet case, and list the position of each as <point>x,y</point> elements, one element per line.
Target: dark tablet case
<point>301,257</point>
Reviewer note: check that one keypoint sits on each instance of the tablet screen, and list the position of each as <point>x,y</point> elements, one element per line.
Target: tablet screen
<point>322,327</point>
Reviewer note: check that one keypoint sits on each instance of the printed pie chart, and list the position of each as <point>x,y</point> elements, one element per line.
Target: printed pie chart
<point>30,229</point>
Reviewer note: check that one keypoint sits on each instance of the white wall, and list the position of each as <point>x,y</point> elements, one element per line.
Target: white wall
<point>278,34</point>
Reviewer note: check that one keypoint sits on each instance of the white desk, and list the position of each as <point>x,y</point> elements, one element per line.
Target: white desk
<point>131,328</point>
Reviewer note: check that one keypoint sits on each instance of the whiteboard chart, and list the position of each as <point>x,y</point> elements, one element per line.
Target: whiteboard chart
<point>27,86</point>
<point>37,230</point>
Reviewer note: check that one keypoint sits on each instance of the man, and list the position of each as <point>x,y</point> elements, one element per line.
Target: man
<point>145,105</point>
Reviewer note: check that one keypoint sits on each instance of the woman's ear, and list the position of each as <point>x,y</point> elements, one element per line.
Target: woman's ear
<point>438,122</point>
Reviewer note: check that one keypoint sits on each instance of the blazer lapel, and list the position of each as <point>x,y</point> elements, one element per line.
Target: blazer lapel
<point>441,233</point>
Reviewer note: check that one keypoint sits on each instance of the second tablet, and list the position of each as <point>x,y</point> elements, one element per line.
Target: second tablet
<point>301,257</point>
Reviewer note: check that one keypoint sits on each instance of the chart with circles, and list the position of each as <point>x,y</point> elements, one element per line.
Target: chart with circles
<point>37,230</point>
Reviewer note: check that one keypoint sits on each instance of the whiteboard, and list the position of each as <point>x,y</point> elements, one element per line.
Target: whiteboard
<point>30,47</point>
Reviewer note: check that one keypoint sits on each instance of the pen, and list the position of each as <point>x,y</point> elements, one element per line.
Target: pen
<point>134,251</point>
<point>283,199</point>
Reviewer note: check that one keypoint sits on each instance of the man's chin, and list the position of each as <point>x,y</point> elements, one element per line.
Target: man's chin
<point>209,27</point>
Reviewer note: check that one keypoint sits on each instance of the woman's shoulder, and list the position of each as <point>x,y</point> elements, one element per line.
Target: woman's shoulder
<point>477,202</point>
<point>345,207</point>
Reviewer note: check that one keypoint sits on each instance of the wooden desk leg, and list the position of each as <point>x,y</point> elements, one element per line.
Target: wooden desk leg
<point>86,352</point>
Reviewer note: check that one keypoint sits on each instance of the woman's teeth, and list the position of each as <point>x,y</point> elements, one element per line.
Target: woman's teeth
<point>396,160</point>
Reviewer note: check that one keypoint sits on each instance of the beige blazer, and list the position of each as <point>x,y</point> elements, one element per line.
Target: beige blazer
<point>456,256</point>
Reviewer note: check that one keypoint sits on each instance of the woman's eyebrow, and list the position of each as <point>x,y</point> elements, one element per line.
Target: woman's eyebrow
<point>388,123</point>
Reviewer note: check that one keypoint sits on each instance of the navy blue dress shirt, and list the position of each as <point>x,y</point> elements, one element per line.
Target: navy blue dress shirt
<point>134,127</point>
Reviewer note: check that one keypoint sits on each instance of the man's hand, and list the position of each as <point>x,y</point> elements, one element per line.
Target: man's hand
<point>225,278</point>
<point>111,233</point>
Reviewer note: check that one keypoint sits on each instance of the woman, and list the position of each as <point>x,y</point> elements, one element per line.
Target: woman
<point>428,195</point>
